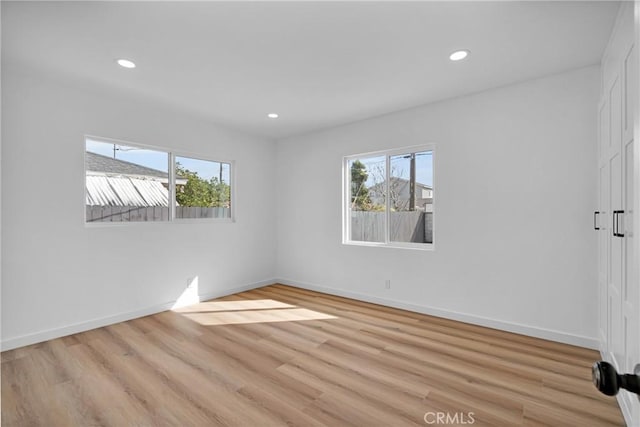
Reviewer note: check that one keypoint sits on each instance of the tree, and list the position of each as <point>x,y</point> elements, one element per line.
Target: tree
<point>220,193</point>
<point>199,192</point>
<point>396,202</point>
<point>360,199</point>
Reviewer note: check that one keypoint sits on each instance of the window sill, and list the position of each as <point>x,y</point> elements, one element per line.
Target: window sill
<point>393,245</point>
<point>106,224</point>
<point>202,220</point>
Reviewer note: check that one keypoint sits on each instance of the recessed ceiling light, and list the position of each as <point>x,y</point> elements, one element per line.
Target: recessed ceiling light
<point>272,115</point>
<point>126,63</point>
<point>458,55</point>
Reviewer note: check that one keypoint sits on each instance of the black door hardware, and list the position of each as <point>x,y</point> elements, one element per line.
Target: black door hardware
<point>608,381</point>
<point>616,224</point>
<point>595,220</point>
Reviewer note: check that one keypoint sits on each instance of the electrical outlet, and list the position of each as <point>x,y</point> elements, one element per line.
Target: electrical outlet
<point>387,284</point>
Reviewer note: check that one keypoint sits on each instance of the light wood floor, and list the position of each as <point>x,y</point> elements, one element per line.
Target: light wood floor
<point>284,356</point>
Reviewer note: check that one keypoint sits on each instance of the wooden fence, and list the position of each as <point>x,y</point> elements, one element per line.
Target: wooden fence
<point>414,226</point>
<point>151,213</point>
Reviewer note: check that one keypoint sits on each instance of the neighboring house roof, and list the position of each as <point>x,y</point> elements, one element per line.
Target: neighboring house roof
<point>110,166</point>
<point>401,198</point>
<point>113,182</point>
<point>400,182</point>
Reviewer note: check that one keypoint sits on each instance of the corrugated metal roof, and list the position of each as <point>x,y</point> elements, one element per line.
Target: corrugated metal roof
<point>153,192</point>
<point>124,191</point>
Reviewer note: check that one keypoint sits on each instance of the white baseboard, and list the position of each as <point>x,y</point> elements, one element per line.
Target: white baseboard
<point>582,341</point>
<point>517,328</point>
<point>624,407</point>
<point>49,334</point>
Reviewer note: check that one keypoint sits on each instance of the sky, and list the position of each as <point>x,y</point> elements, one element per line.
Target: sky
<point>206,169</point>
<point>157,159</point>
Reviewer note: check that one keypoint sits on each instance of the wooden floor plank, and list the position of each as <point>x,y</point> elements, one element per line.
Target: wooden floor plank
<point>279,355</point>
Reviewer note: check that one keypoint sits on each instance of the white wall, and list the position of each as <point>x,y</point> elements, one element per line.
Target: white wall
<point>60,276</point>
<point>0,183</point>
<point>515,188</point>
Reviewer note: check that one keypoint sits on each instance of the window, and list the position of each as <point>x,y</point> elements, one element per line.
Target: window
<point>389,198</point>
<point>202,188</point>
<point>129,183</point>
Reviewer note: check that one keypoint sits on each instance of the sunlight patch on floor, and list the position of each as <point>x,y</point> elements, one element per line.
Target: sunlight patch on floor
<point>237,317</point>
<point>213,306</point>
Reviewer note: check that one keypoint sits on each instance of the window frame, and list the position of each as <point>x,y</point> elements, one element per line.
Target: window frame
<point>171,159</point>
<point>346,197</point>
<point>172,188</point>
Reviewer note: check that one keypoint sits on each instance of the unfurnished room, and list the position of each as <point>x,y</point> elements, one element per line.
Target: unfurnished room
<point>320,213</point>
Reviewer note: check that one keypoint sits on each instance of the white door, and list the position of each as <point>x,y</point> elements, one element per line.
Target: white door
<point>618,181</point>
<point>601,223</point>
<point>630,292</point>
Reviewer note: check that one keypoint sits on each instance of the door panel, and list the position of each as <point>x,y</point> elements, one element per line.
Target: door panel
<point>629,294</point>
<point>618,179</point>
<point>616,244</point>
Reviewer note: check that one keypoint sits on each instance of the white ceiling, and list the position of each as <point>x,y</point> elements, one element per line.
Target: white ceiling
<point>317,64</point>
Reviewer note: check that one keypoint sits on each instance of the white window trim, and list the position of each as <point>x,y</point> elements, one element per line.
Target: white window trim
<point>346,196</point>
<point>232,178</point>
<point>171,155</point>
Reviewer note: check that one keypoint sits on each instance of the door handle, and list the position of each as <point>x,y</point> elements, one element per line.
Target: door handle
<point>609,382</point>
<point>616,224</point>
<point>595,220</point>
